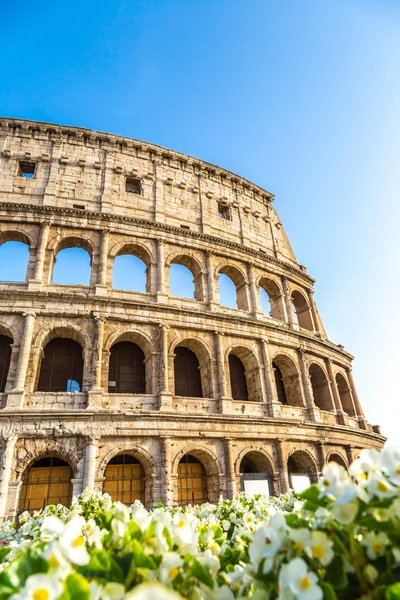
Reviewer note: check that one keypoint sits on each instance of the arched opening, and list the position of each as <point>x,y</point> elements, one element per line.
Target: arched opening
<point>238,381</point>
<point>337,459</point>
<point>129,273</point>
<point>125,479</point>
<point>72,264</point>
<point>232,288</point>
<point>345,395</point>
<point>302,311</point>
<point>61,369</point>
<point>287,381</point>
<point>5,357</point>
<point>271,299</point>
<point>279,385</point>
<point>181,281</point>
<point>255,470</point>
<point>127,372</point>
<point>187,373</point>
<point>301,470</point>
<point>192,481</point>
<point>320,388</point>
<point>47,481</point>
<point>14,259</point>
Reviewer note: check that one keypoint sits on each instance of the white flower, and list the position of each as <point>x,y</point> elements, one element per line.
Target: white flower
<point>296,578</point>
<point>320,547</point>
<point>51,527</point>
<point>300,538</point>
<point>152,591</point>
<point>375,544</point>
<point>335,482</point>
<point>266,543</point>
<point>41,587</point>
<point>390,464</point>
<point>170,567</point>
<point>345,513</point>
<point>379,486</point>
<point>72,542</point>
<point>140,516</point>
<point>368,463</point>
<point>57,562</point>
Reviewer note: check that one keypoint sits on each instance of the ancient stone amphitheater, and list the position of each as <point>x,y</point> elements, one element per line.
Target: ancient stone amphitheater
<point>146,394</point>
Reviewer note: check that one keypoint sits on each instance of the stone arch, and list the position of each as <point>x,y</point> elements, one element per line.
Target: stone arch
<point>203,354</point>
<point>302,310</point>
<point>302,469</point>
<point>144,458</point>
<point>191,262</point>
<point>239,279</point>
<point>275,297</point>
<point>320,387</point>
<point>256,471</point>
<point>67,242</point>
<point>33,450</point>
<point>251,370</point>
<point>53,486</point>
<point>49,333</point>
<point>335,456</point>
<point>23,269</point>
<point>210,463</point>
<point>15,235</point>
<point>290,378</point>
<point>345,394</point>
<point>144,342</point>
<point>138,250</point>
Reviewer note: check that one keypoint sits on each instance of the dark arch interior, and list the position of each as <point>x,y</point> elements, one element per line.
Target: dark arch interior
<point>345,395</point>
<point>302,311</point>
<point>320,387</point>
<point>238,378</point>
<point>187,373</point>
<point>127,372</point>
<point>47,481</point>
<point>337,459</point>
<point>192,481</point>
<point>256,474</point>
<point>301,471</point>
<point>280,386</point>
<point>61,369</point>
<point>5,357</point>
<point>124,479</point>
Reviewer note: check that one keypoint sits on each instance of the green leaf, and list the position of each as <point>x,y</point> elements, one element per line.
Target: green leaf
<point>295,522</point>
<point>393,592</point>
<point>328,591</point>
<point>141,558</point>
<point>201,573</point>
<point>77,587</point>
<point>24,566</point>
<point>312,495</point>
<point>336,573</point>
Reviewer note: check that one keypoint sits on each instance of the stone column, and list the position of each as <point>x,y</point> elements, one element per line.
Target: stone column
<point>225,401</point>
<point>35,284</point>
<point>50,191</point>
<point>230,468</point>
<point>15,397</point>
<point>308,392</point>
<point>165,396</point>
<point>288,303</point>
<point>321,460</point>
<point>166,484</point>
<point>356,400</point>
<point>162,296</point>
<point>270,388</point>
<point>350,453</point>
<point>333,386</point>
<point>212,303</point>
<point>90,463</point>
<point>255,302</point>
<point>314,313</point>
<point>96,390</point>
<point>6,463</point>
<point>101,285</point>
<point>282,467</point>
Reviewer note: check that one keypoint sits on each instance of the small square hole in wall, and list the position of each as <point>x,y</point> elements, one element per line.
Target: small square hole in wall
<point>133,185</point>
<point>27,169</point>
<point>223,211</point>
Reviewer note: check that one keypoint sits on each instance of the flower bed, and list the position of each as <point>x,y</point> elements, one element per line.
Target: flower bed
<point>338,539</point>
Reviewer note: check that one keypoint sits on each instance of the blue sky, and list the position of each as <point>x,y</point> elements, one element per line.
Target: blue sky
<point>300,97</point>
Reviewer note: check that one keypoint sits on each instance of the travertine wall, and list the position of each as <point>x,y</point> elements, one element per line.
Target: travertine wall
<point>78,197</point>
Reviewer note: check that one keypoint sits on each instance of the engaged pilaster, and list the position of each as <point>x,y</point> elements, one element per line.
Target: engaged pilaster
<point>36,283</point>
<point>6,463</point>
<point>101,285</point>
<point>15,397</point>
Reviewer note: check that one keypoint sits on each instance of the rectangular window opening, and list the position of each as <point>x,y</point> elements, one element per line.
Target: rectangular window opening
<point>133,185</point>
<point>27,169</point>
<point>185,227</point>
<point>223,211</point>
<point>80,206</point>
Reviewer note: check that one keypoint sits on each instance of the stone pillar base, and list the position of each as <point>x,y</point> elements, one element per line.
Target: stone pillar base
<point>100,290</point>
<point>362,422</point>
<point>342,418</point>
<point>77,486</point>
<point>213,305</point>
<point>34,285</point>
<point>161,298</point>
<point>94,399</point>
<point>165,401</point>
<point>15,399</point>
<point>225,405</point>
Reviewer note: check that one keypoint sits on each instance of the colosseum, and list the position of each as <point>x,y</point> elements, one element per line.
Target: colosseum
<point>143,393</point>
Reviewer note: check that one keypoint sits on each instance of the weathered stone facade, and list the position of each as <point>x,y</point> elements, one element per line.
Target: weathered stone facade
<point>211,221</point>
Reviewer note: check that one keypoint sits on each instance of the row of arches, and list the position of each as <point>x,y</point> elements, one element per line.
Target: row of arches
<point>48,480</point>
<point>62,367</point>
<point>132,271</point>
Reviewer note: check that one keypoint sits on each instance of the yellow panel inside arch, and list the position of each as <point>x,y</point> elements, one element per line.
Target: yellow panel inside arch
<point>124,483</point>
<point>191,484</point>
<point>45,485</point>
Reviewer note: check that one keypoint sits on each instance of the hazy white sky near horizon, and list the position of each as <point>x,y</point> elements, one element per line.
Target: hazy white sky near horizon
<point>302,98</point>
